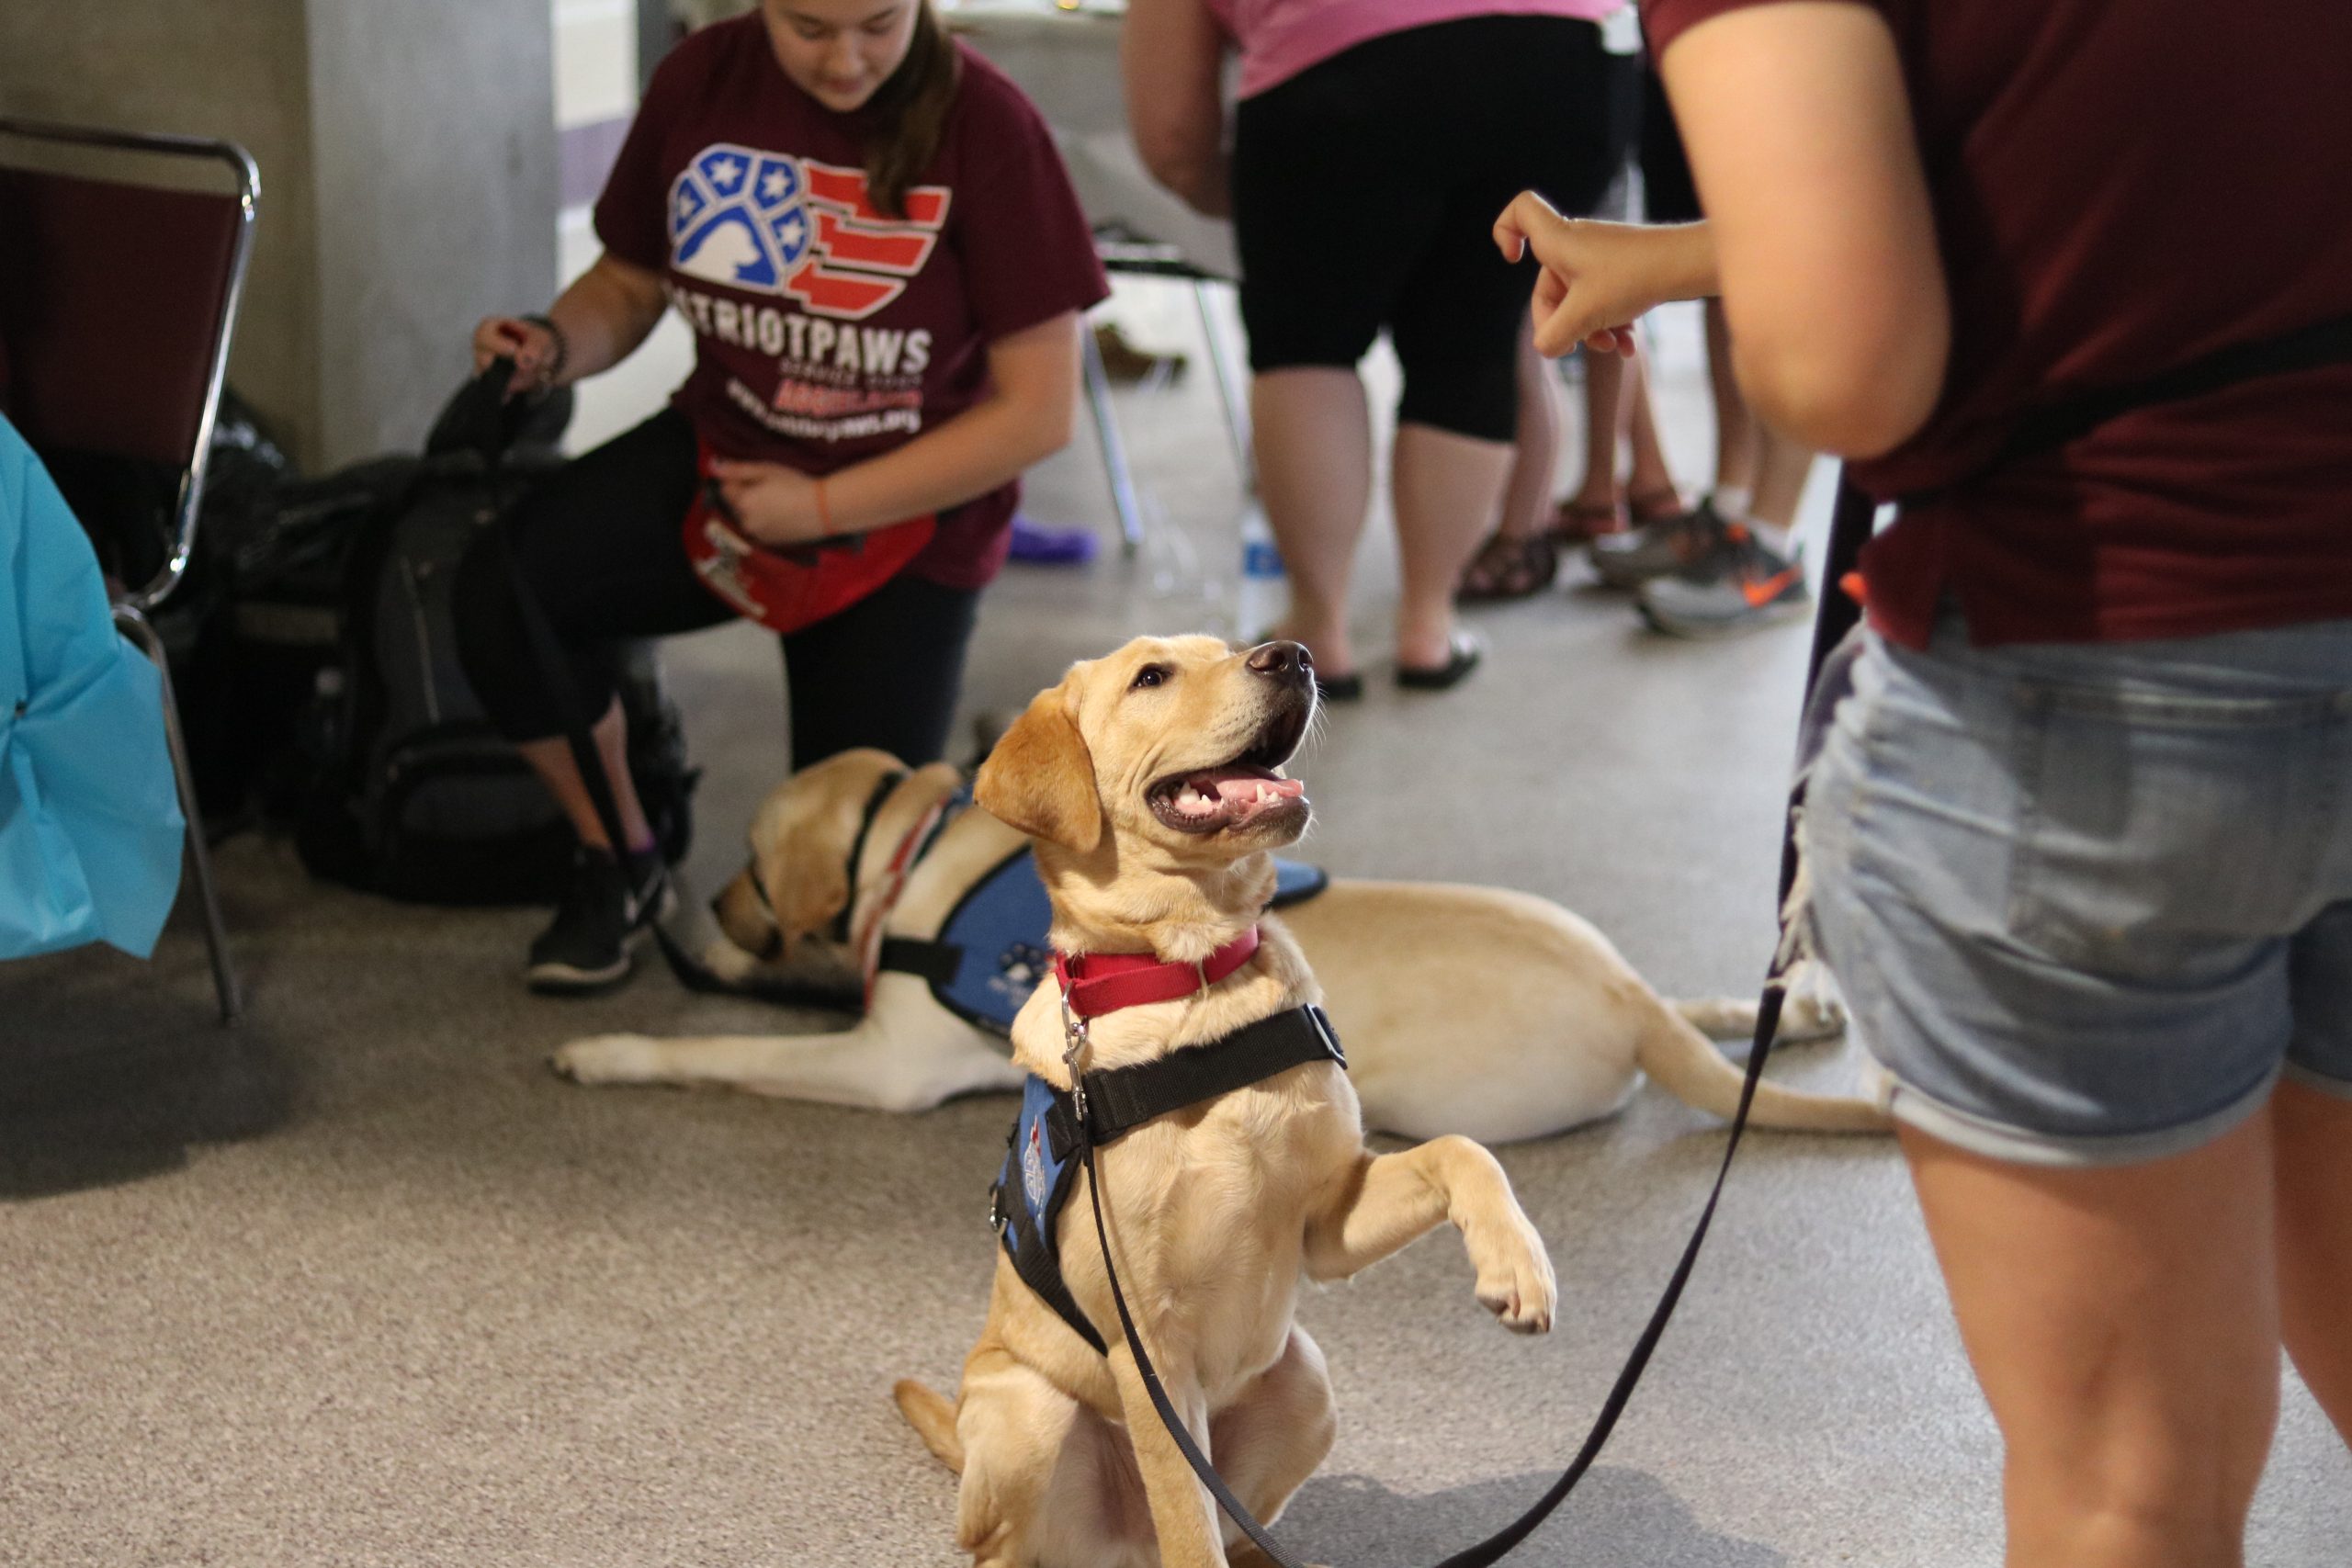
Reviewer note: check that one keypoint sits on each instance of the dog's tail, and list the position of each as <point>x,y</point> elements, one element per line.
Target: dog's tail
<point>932,1415</point>
<point>1688,1065</point>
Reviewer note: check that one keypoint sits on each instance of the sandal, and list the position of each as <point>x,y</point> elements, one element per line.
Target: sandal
<point>1575,522</point>
<point>1505,568</point>
<point>1462,654</point>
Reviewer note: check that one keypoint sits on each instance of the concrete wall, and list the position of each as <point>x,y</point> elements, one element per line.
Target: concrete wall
<point>408,163</point>
<point>434,161</point>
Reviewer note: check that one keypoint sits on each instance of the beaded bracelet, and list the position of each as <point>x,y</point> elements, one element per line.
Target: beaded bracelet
<point>548,372</point>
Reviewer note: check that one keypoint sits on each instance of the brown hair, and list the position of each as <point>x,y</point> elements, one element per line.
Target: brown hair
<point>907,115</point>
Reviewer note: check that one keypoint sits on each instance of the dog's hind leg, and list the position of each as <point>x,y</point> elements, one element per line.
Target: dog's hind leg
<point>1268,1442</point>
<point>1043,1479</point>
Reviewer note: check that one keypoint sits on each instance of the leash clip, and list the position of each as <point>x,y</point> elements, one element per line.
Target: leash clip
<point>1074,1030</point>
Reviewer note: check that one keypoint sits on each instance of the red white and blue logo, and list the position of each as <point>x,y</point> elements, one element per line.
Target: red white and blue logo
<point>770,223</point>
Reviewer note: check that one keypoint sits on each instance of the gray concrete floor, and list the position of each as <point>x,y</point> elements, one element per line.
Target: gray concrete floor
<point>361,1282</point>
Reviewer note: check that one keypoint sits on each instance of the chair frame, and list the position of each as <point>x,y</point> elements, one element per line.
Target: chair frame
<point>1144,258</point>
<point>247,175</point>
<point>132,610</point>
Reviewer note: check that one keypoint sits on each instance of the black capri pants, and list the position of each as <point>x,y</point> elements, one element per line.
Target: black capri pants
<point>1365,190</point>
<point>600,542</point>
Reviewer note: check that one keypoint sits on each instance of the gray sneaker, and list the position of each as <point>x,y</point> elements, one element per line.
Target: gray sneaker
<point>1654,549</point>
<point>1741,583</point>
<point>592,942</point>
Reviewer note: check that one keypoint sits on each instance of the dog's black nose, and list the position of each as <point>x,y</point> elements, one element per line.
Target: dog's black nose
<point>1288,662</point>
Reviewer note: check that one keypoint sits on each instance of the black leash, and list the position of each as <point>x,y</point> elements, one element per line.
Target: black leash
<point>1838,612</point>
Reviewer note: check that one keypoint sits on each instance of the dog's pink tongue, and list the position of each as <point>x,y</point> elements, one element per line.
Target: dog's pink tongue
<point>1246,786</point>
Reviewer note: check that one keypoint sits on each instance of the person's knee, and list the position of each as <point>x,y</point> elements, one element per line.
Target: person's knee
<point>2123,1480</point>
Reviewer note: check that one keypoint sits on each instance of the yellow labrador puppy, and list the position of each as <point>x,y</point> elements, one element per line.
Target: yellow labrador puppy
<point>1151,782</point>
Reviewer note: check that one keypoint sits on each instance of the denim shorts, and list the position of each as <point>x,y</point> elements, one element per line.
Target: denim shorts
<point>2088,902</point>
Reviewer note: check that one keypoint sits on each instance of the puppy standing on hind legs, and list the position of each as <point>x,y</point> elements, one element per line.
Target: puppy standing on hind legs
<point>1151,783</point>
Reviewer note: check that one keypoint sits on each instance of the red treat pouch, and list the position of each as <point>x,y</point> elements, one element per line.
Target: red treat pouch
<point>785,590</point>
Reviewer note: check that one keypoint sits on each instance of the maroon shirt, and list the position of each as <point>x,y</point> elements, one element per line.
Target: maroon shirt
<point>2120,189</point>
<point>826,333</point>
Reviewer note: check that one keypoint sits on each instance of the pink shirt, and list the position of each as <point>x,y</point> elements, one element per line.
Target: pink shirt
<point>1279,38</point>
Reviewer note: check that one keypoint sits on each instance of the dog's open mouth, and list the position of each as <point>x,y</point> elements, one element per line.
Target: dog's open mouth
<point>1248,790</point>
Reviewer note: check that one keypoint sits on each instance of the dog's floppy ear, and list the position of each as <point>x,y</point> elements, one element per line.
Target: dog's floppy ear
<point>1040,779</point>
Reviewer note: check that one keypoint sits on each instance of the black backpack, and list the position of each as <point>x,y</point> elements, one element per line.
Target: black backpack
<point>407,791</point>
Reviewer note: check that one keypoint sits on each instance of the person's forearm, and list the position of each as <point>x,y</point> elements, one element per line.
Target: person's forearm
<point>987,445</point>
<point>1682,258</point>
<point>1205,183</point>
<point>608,311</point>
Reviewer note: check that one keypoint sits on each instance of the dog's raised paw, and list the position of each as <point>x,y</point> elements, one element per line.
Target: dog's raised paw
<point>1516,1282</point>
<point>608,1058</point>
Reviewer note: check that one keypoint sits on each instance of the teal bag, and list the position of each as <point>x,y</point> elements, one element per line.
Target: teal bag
<point>90,823</point>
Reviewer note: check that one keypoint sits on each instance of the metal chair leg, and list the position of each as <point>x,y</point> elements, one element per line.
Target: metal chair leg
<point>216,935</point>
<point>1229,385</point>
<point>1114,449</point>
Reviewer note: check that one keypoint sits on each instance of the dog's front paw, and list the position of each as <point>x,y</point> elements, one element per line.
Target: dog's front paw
<point>609,1058</point>
<point>1515,1278</point>
<point>1805,1019</point>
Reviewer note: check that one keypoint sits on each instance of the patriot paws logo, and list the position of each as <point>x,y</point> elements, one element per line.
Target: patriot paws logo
<point>774,224</point>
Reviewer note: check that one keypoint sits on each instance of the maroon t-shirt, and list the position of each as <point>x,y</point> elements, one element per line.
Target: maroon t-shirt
<point>826,333</point>
<point>2120,189</point>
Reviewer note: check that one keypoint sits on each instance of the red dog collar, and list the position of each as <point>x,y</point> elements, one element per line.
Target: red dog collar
<point>1114,980</point>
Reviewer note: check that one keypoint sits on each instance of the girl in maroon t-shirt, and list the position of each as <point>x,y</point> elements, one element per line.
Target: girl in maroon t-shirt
<point>877,248</point>
<point>2072,282</point>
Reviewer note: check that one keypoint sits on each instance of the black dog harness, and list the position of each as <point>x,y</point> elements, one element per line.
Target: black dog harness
<point>1040,1170</point>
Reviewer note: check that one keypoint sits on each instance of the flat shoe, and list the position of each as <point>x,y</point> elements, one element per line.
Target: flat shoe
<point>1346,688</point>
<point>1466,654</point>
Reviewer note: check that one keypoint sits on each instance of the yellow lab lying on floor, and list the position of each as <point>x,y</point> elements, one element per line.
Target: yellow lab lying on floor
<point>1151,783</point>
<point>1562,1036</point>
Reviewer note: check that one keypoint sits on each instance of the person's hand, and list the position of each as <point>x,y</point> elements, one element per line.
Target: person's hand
<point>776,505</point>
<point>528,344</point>
<point>1597,278</point>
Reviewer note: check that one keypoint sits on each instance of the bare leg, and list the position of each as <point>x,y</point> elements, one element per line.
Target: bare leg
<point>1446,488</point>
<point>1604,381</point>
<point>1650,485</point>
<point>1782,469</point>
<point>1314,436</point>
<point>2315,1263</point>
<point>2123,1323</point>
<point>551,760</point>
<point>1536,447</point>
<point>1735,427</point>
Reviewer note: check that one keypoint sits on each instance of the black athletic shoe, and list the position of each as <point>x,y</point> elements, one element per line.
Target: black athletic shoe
<point>592,941</point>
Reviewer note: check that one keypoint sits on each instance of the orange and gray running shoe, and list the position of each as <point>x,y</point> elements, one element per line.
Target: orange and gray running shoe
<point>1654,549</point>
<point>1740,583</point>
